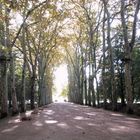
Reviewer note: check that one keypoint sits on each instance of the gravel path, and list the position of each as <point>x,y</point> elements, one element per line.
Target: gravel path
<point>66,121</point>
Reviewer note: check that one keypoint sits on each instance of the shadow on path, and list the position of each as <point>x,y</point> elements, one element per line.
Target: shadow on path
<point>67,121</point>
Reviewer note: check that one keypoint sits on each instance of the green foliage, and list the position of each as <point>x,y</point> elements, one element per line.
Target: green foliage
<point>64,92</point>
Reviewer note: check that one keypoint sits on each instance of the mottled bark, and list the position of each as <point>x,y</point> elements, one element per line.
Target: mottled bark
<point>12,87</point>
<point>128,47</point>
<point>23,84</point>
<point>32,90</point>
<point>112,79</point>
<point>3,66</point>
<point>12,91</point>
<point>104,65</point>
<point>3,88</point>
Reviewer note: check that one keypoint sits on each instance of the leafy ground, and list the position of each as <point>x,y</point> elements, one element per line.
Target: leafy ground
<point>66,121</point>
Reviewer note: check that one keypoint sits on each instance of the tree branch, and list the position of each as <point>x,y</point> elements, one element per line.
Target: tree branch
<point>26,17</point>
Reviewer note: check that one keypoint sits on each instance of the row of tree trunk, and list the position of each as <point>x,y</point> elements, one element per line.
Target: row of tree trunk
<point>30,65</point>
<point>91,84</point>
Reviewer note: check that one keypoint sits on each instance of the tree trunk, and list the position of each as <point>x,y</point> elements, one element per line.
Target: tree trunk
<point>3,67</point>
<point>128,47</point>
<point>85,80</point>
<point>122,87</point>
<point>85,90</point>
<point>32,90</point>
<point>41,73</point>
<point>3,89</point>
<point>82,76</point>
<point>128,86</point>
<point>89,91</point>
<point>114,98</point>
<point>23,85</point>
<point>97,91</point>
<point>12,87</point>
<point>104,65</point>
<point>92,85</point>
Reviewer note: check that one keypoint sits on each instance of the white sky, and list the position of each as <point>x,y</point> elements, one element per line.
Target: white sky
<point>61,78</point>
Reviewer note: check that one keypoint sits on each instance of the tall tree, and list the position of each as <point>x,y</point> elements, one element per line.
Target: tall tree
<point>3,63</point>
<point>128,48</point>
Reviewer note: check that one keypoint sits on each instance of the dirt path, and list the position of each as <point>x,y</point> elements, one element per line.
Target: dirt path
<point>65,121</point>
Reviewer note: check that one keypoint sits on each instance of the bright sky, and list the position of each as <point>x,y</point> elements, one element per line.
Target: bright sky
<point>61,79</point>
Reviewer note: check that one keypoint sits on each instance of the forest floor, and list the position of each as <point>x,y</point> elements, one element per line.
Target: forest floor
<point>67,121</point>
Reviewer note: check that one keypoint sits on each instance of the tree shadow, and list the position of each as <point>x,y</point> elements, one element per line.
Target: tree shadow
<point>69,121</point>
